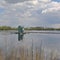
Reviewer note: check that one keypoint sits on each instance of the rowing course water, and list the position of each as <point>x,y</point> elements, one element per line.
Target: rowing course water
<point>49,41</point>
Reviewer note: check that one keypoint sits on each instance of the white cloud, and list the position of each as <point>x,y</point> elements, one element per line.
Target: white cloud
<point>16,1</point>
<point>2,3</point>
<point>35,2</point>
<point>56,25</point>
<point>52,7</point>
<point>45,0</point>
<point>29,12</point>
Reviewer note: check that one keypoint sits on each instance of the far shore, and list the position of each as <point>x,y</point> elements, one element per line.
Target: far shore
<point>2,28</point>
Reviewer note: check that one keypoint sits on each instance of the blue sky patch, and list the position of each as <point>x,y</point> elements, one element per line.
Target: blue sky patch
<point>1,10</point>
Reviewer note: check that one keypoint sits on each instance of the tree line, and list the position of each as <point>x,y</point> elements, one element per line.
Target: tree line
<point>7,28</point>
<point>28,28</point>
<point>41,28</point>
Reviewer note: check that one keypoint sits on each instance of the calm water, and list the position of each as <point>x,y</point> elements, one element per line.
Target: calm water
<point>49,41</point>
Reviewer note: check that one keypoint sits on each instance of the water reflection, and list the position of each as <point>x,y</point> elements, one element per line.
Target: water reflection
<point>8,41</point>
<point>11,40</point>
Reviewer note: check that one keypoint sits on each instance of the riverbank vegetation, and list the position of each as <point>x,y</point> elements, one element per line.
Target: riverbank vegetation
<point>7,28</point>
<point>41,28</point>
<point>23,53</point>
<point>28,28</point>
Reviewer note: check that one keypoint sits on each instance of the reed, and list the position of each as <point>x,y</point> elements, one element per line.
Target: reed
<point>1,55</point>
<point>23,53</point>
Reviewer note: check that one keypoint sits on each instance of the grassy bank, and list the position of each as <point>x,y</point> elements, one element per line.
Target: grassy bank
<point>30,28</point>
<point>7,28</point>
<point>42,28</point>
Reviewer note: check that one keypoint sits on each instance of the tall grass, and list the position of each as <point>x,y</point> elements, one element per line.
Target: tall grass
<point>1,55</point>
<point>24,53</point>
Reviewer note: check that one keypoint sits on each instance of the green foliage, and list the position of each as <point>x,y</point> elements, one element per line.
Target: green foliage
<point>30,28</point>
<point>7,28</point>
<point>41,28</point>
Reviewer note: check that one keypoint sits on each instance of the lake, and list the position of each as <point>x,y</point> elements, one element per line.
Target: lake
<point>48,41</point>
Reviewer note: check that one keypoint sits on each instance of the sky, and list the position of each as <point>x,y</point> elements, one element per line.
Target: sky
<point>28,13</point>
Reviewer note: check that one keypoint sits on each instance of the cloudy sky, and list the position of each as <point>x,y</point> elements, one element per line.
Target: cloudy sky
<point>29,13</point>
